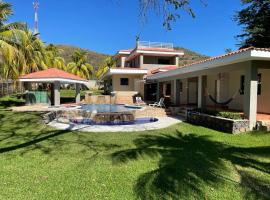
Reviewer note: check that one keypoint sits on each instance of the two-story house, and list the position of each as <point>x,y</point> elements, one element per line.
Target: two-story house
<point>133,65</point>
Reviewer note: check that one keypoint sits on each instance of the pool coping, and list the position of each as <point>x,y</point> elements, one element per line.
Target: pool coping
<point>163,122</point>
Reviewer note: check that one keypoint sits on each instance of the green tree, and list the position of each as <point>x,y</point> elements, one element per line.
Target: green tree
<point>255,18</point>
<point>54,58</point>
<point>108,63</point>
<point>79,65</point>
<point>21,51</point>
<point>169,9</point>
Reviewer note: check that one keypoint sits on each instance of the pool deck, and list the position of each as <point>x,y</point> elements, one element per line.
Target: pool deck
<point>163,122</point>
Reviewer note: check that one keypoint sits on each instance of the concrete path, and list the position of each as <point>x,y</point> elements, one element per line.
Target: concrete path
<point>162,122</point>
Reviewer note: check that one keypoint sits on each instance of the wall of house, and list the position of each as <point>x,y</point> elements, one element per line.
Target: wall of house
<point>264,98</point>
<point>130,87</point>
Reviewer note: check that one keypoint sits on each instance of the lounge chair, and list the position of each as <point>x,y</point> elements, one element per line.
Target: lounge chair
<point>158,104</point>
<point>139,101</point>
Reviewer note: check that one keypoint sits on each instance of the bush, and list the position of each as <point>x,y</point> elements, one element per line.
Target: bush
<point>230,115</point>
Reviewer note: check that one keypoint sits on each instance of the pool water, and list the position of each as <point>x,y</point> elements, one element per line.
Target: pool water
<point>104,108</point>
<point>112,123</point>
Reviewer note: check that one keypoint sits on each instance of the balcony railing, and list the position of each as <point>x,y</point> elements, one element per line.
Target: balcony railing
<point>147,44</point>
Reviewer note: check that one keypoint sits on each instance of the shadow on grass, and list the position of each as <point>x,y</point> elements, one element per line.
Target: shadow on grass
<point>26,132</point>
<point>7,102</point>
<point>187,164</point>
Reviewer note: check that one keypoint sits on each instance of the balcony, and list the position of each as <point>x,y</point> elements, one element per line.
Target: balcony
<point>159,45</point>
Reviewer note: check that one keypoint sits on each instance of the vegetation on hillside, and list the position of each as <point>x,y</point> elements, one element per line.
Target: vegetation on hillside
<point>93,58</point>
<point>190,56</point>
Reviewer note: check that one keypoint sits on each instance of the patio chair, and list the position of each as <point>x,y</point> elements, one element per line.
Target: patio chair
<point>139,101</point>
<point>158,104</point>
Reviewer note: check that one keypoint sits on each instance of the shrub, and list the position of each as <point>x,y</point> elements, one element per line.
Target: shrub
<point>230,115</point>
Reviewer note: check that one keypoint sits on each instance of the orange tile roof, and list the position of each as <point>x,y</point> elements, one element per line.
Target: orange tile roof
<point>226,55</point>
<point>52,73</point>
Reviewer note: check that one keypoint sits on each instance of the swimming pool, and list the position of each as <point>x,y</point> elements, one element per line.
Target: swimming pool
<point>107,108</point>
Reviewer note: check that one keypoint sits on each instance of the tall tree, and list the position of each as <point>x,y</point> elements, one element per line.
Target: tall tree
<point>108,63</point>
<point>54,58</point>
<point>169,9</point>
<point>255,18</point>
<point>79,65</point>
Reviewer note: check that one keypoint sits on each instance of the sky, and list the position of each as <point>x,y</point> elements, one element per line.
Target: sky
<point>107,26</point>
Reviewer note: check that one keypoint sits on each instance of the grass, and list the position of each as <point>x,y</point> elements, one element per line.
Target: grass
<point>65,93</point>
<point>179,162</point>
<point>8,101</point>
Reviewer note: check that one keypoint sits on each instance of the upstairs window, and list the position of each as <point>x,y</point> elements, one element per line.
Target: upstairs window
<point>123,81</point>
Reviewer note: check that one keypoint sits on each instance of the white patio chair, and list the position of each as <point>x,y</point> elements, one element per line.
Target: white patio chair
<point>139,101</point>
<point>158,104</point>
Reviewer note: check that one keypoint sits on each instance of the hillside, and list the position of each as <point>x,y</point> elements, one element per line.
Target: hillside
<point>190,56</point>
<point>94,58</point>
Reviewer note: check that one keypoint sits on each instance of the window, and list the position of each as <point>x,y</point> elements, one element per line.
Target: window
<point>163,61</point>
<point>180,86</point>
<point>259,84</point>
<point>123,81</point>
<point>242,84</point>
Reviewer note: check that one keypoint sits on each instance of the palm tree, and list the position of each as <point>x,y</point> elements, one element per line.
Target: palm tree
<point>79,65</point>
<point>108,63</point>
<point>55,60</point>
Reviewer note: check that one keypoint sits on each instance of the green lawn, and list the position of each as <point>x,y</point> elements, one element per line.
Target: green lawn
<point>180,162</point>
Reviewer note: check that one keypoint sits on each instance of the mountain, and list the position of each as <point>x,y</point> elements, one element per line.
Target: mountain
<point>190,56</point>
<point>94,58</point>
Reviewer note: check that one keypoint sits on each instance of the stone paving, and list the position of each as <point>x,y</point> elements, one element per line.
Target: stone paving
<point>162,122</point>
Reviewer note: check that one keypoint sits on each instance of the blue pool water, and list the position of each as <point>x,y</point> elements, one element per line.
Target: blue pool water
<point>136,121</point>
<point>101,108</point>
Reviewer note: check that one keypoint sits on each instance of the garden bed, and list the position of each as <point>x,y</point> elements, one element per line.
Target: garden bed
<point>218,123</point>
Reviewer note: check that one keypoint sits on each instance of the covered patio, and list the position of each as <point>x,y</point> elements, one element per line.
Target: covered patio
<point>237,81</point>
<point>44,86</point>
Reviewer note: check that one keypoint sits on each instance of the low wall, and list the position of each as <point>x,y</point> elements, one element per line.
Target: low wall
<point>99,99</point>
<point>218,123</point>
<point>65,116</point>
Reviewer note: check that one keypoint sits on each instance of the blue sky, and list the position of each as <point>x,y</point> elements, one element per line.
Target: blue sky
<point>109,25</point>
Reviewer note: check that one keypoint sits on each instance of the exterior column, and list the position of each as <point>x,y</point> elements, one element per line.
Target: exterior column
<point>250,95</point>
<point>157,94</point>
<point>77,94</point>
<point>200,93</point>
<point>204,86</point>
<point>56,93</point>
<point>141,60</point>
<point>177,60</point>
<point>174,91</point>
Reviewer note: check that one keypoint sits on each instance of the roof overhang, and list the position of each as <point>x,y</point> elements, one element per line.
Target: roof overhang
<point>248,55</point>
<point>52,80</point>
<point>126,71</point>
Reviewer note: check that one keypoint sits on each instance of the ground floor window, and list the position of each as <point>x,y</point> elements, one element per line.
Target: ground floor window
<point>124,81</point>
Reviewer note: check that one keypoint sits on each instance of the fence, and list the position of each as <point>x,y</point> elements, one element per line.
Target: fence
<point>9,87</point>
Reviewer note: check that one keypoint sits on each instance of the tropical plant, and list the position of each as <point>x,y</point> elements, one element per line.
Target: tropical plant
<point>54,58</point>
<point>255,19</point>
<point>79,65</point>
<point>108,63</point>
<point>21,50</point>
